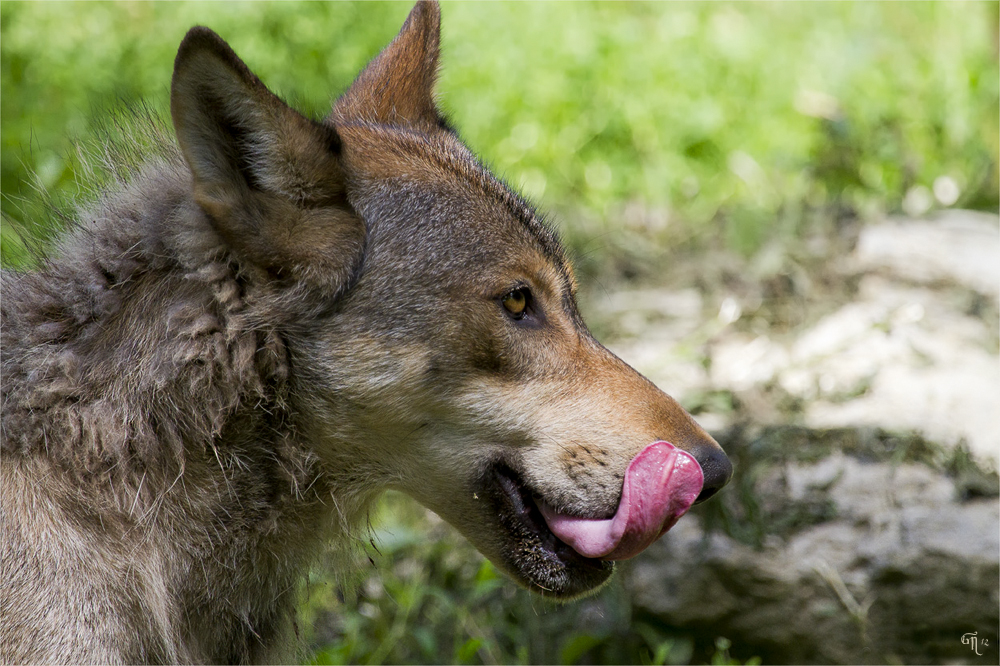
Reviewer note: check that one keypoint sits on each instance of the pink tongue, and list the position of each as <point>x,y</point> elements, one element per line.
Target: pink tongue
<point>661,484</point>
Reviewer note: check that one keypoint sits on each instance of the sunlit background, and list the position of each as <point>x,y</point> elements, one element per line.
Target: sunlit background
<point>738,183</point>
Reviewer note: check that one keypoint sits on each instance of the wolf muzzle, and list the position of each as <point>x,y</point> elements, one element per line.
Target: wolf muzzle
<point>661,483</point>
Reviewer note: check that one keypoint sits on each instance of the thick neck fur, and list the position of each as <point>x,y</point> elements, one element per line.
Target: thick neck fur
<point>145,373</point>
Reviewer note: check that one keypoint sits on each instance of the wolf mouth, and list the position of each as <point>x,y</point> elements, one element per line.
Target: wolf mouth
<point>532,554</point>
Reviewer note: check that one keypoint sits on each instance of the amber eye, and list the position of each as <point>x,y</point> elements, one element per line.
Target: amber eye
<point>516,302</point>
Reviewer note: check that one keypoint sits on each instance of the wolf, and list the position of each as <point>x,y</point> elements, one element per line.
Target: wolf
<point>234,352</point>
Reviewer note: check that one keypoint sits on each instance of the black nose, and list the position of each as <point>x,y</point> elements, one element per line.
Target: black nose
<point>715,466</point>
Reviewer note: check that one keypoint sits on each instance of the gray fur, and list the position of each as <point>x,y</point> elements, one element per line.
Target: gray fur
<point>144,379</point>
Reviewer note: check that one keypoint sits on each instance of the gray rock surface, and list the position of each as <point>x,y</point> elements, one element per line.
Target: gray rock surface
<point>962,246</point>
<point>899,572</point>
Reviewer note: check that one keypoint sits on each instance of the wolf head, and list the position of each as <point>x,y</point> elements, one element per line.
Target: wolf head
<point>442,353</point>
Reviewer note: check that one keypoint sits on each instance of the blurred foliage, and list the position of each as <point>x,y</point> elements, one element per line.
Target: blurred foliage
<point>422,594</point>
<point>644,124</point>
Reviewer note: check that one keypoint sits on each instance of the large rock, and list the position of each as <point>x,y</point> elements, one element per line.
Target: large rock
<point>857,561</point>
<point>957,245</point>
<point>899,356</point>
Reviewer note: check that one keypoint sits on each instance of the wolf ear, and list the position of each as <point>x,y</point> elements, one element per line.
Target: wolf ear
<point>270,179</point>
<point>397,87</point>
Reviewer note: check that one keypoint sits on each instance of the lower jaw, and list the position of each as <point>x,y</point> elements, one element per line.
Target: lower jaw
<point>566,583</point>
<point>531,554</point>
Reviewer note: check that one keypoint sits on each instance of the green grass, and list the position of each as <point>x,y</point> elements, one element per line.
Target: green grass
<point>642,125</point>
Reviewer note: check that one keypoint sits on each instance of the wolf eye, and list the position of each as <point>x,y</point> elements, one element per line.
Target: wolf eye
<point>516,302</point>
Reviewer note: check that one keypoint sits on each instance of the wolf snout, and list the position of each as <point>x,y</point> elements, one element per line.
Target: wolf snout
<point>715,466</point>
<point>660,485</point>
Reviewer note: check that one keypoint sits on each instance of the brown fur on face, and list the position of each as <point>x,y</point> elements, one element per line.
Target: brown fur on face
<point>227,360</point>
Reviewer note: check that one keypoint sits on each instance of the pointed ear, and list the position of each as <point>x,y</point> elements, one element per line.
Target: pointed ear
<point>397,87</point>
<point>270,180</point>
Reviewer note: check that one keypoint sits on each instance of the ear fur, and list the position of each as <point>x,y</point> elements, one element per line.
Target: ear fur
<point>397,87</point>
<point>270,180</point>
